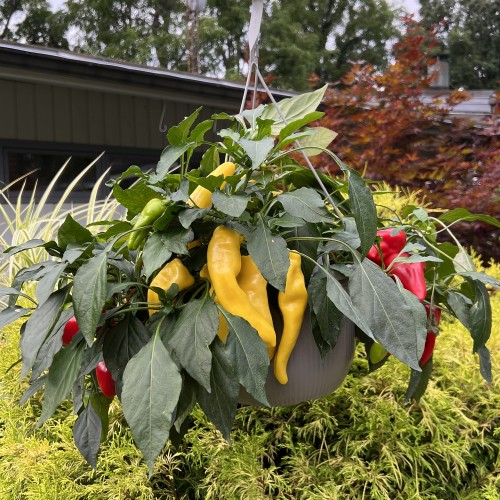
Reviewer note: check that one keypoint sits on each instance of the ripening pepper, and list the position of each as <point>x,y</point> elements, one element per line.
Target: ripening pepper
<point>105,380</point>
<point>151,211</point>
<point>202,197</point>
<point>377,353</point>
<point>173,272</point>
<point>292,303</point>
<point>224,265</point>
<point>390,245</point>
<point>223,330</point>
<point>411,274</point>
<point>254,285</point>
<point>71,328</point>
<point>430,340</point>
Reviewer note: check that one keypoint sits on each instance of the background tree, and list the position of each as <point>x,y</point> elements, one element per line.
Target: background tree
<point>142,31</point>
<point>391,134</point>
<point>471,34</point>
<point>32,21</point>
<point>299,37</point>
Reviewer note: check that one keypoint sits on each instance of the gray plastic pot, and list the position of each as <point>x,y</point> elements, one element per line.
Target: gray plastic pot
<point>309,375</point>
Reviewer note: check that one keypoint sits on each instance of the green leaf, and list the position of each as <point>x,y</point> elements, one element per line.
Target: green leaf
<point>194,331</point>
<point>460,305</point>
<point>327,316</point>
<point>292,138</point>
<point>305,203</point>
<point>187,401</point>
<point>51,345</point>
<point>9,252</point>
<point>168,157</point>
<point>317,141</point>
<point>47,284</point>
<point>296,124</point>
<point>178,134</point>
<point>386,312</point>
<point>151,389</point>
<point>248,355</point>
<point>257,151</point>
<point>188,216</point>
<point>87,432</point>
<point>482,277</point>
<point>210,160</point>
<point>133,170</point>
<point>480,316</point>
<point>339,296</point>
<point>251,115</point>
<point>155,254</point>
<point>417,258</point>
<point>233,205</point>
<point>348,236</point>
<point>89,294</point>
<point>134,198</point>
<point>419,380</point>
<point>270,254</point>
<point>463,262</point>
<point>419,315</point>
<point>461,214</point>
<point>72,232</point>
<point>198,133</point>
<point>121,344</point>
<point>293,109</point>
<point>39,326</point>
<point>62,375</point>
<point>485,364</point>
<point>176,239</point>
<point>36,386</point>
<point>221,403</point>
<point>363,209</point>
<point>11,314</point>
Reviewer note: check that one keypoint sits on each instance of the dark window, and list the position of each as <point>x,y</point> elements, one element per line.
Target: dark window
<point>43,166</point>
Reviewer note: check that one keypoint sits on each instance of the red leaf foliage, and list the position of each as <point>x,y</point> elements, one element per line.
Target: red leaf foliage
<point>390,130</point>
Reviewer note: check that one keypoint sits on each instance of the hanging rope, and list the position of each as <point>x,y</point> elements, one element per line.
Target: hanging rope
<point>253,68</point>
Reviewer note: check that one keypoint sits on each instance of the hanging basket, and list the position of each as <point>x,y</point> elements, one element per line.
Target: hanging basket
<point>309,375</point>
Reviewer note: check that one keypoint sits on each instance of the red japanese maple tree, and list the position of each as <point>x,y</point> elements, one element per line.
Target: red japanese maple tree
<point>391,130</point>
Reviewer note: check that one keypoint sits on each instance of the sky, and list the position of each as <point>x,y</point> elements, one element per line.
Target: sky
<point>411,6</point>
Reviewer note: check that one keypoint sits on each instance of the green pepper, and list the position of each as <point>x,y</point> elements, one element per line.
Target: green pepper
<point>152,211</point>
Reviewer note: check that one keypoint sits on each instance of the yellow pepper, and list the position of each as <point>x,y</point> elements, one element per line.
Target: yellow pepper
<point>224,265</point>
<point>254,285</point>
<point>223,330</point>
<point>202,197</point>
<point>292,303</point>
<point>173,272</point>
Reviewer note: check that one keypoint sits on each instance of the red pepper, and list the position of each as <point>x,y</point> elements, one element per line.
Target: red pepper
<point>105,380</point>
<point>390,245</point>
<point>71,328</point>
<point>430,340</point>
<point>411,275</point>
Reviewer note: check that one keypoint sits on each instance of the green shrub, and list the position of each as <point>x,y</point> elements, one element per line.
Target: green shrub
<point>360,442</point>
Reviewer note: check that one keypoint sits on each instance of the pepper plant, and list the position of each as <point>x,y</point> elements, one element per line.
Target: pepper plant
<point>173,302</point>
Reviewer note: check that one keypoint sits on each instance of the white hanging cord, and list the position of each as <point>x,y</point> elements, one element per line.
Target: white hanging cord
<point>297,143</point>
<point>253,37</point>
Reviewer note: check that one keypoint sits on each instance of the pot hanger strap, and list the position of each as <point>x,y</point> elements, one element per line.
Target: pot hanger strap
<point>254,29</point>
